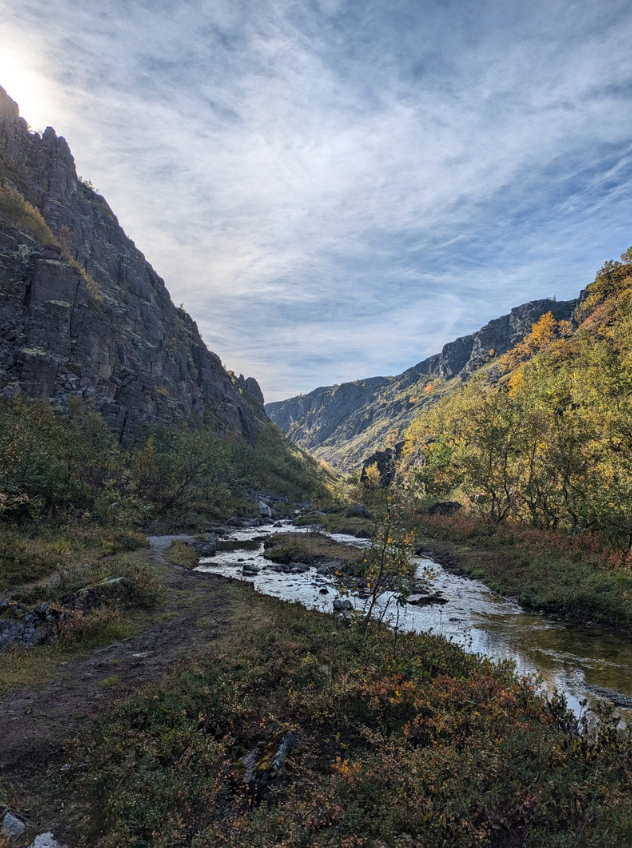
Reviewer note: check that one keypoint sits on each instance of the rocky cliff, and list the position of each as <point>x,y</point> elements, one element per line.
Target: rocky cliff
<point>83,313</point>
<point>344,424</point>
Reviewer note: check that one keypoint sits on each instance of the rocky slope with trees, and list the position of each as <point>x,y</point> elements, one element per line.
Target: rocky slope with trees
<point>345,424</point>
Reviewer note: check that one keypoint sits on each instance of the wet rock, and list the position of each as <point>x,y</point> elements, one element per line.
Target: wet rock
<point>250,569</point>
<point>324,591</point>
<point>342,605</point>
<point>12,826</point>
<point>426,600</point>
<point>619,699</point>
<point>206,548</point>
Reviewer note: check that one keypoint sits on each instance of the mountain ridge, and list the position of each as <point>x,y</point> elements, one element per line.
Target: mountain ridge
<point>345,424</point>
<point>83,313</point>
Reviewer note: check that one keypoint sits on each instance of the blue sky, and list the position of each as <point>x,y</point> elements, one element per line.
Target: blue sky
<point>336,188</point>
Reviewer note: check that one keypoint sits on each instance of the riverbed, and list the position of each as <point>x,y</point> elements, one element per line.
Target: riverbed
<point>580,660</point>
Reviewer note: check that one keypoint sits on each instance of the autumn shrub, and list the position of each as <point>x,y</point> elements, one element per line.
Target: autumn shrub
<point>406,743</point>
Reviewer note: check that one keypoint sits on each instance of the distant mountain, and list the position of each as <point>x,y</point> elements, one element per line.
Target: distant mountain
<point>345,424</point>
<point>83,313</point>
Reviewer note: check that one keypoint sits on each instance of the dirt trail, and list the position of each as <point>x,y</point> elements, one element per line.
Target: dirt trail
<point>35,722</point>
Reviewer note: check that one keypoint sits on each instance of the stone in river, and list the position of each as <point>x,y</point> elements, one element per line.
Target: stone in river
<point>426,600</point>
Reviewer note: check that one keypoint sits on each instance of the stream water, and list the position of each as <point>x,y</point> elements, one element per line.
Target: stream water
<point>579,660</point>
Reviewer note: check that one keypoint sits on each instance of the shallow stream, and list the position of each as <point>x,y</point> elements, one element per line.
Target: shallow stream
<point>579,660</point>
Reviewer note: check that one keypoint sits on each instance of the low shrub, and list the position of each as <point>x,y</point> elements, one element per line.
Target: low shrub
<point>182,554</point>
<point>399,743</point>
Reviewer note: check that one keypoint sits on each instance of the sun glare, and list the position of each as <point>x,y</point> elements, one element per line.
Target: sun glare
<point>26,86</point>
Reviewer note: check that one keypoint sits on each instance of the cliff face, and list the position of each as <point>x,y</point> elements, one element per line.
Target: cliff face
<point>87,315</point>
<point>345,424</point>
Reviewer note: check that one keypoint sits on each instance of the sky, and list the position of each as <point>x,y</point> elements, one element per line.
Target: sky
<point>336,188</point>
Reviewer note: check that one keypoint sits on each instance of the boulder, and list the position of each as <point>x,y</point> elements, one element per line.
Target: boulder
<point>207,548</point>
<point>342,605</point>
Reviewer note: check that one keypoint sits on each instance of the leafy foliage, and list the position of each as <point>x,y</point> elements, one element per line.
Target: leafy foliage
<point>549,443</point>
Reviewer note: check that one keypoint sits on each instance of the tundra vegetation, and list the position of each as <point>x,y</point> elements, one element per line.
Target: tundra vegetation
<point>398,740</point>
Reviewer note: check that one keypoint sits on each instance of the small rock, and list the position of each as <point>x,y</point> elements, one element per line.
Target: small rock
<point>426,600</point>
<point>341,605</point>
<point>324,591</point>
<point>250,569</point>
<point>46,840</point>
<point>12,826</point>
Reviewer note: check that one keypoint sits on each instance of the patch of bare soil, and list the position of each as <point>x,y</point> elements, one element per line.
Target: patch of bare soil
<point>35,722</point>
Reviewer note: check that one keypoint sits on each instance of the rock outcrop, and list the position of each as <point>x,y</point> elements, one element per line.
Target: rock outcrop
<point>85,314</point>
<point>345,424</point>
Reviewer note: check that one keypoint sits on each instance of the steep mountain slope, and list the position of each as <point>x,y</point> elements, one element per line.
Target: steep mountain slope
<point>549,443</point>
<point>83,313</point>
<point>347,423</point>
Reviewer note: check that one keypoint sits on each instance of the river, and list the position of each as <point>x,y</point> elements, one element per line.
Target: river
<point>580,660</point>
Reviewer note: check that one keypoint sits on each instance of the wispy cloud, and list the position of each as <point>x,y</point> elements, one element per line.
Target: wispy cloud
<point>336,188</point>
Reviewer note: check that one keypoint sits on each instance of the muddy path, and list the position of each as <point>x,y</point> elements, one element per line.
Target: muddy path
<point>36,721</point>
